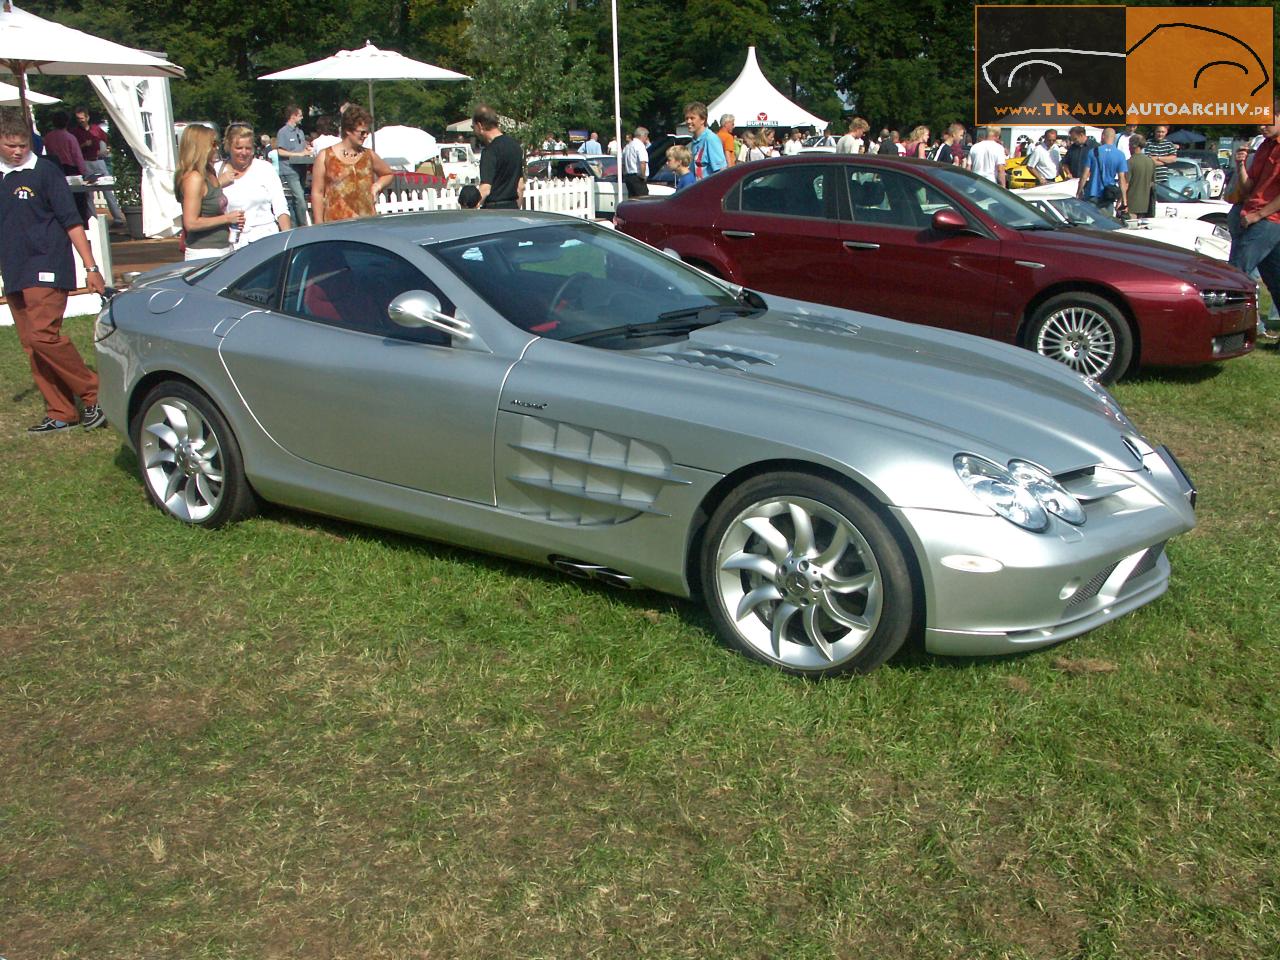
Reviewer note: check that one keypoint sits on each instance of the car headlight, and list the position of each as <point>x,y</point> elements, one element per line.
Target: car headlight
<point>1221,232</point>
<point>999,490</point>
<point>1049,493</point>
<point>1023,493</point>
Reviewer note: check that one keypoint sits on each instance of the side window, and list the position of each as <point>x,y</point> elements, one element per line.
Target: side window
<point>793,191</point>
<point>350,285</point>
<point>733,199</point>
<point>260,285</point>
<point>893,199</point>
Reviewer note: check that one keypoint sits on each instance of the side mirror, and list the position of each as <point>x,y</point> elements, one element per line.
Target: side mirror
<point>415,309</point>
<point>949,221</point>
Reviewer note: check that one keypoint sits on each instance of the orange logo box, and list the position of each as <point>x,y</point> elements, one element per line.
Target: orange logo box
<point>1202,65</point>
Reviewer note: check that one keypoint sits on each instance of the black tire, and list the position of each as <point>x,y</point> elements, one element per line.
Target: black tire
<point>1217,219</point>
<point>189,459</point>
<point>865,583</point>
<point>1085,332</point>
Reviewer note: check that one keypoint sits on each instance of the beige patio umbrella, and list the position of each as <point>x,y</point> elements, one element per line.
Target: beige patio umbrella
<point>31,44</point>
<point>368,64</point>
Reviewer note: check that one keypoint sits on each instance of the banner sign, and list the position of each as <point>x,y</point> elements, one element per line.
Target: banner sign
<point>1109,66</point>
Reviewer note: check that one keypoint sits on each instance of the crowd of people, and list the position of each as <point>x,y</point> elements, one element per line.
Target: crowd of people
<point>248,187</point>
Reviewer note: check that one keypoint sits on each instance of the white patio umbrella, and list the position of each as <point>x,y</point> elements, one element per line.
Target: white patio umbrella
<point>31,44</point>
<point>9,97</point>
<point>367,64</point>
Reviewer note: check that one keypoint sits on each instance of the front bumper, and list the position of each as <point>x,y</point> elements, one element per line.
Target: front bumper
<point>993,588</point>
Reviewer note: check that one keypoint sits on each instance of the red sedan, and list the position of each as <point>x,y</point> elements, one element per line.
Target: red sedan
<point>931,243</point>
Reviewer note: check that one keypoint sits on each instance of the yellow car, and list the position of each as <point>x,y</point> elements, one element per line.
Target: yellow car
<point>1017,176</point>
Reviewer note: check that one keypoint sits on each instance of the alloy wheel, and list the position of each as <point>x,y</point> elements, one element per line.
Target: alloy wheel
<point>1080,337</point>
<point>799,582</point>
<point>182,459</point>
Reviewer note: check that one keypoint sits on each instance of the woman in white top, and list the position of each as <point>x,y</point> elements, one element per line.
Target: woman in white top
<point>754,150</point>
<point>254,187</point>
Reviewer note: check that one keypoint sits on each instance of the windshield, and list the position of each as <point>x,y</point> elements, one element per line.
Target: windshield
<point>1167,194</point>
<point>1085,214</point>
<point>567,281</point>
<point>995,201</point>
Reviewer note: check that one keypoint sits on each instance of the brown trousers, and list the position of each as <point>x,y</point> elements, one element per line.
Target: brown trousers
<point>59,372</point>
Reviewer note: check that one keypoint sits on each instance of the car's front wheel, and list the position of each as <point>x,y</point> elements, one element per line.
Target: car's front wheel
<point>800,573</point>
<point>189,458</point>
<point>1084,331</point>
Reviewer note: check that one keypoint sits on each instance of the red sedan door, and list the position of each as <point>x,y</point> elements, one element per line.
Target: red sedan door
<point>900,267</point>
<point>779,229</point>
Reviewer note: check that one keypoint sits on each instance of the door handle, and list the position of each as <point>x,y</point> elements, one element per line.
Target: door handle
<point>860,245</point>
<point>738,234</point>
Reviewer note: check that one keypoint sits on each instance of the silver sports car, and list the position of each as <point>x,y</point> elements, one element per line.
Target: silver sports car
<point>538,387</point>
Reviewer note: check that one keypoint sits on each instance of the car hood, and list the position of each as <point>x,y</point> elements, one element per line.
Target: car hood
<point>965,392</point>
<point>1071,243</point>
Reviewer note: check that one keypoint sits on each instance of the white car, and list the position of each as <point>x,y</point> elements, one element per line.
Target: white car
<point>1171,203</point>
<point>1168,202</point>
<point>1058,200</point>
<point>601,168</point>
<point>459,161</point>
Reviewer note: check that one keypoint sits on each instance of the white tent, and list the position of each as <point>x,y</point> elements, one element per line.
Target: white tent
<point>141,109</point>
<point>754,102</point>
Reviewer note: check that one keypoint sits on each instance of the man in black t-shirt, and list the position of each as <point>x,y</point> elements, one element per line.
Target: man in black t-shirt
<point>1077,157</point>
<point>501,163</point>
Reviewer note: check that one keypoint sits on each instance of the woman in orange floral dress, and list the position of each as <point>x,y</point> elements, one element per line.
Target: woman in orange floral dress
<point>342,178</point>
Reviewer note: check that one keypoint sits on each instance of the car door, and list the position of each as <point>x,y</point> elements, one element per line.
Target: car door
<point>900,267</point>
<point>778,230</point>
<point>333,381</point>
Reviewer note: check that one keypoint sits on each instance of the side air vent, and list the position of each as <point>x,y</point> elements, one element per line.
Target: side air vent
<point>574,475</point>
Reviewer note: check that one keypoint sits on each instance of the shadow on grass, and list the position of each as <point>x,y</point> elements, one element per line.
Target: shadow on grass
<point>691,612</point>
<point>1185,375</point>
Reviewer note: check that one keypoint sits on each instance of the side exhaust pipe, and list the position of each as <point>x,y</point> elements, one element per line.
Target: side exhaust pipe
<point>581,570</point>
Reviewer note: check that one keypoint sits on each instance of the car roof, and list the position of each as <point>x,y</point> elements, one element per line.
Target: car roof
<point>440,226</point>
<point>740,170</point>
<point>571,156</point>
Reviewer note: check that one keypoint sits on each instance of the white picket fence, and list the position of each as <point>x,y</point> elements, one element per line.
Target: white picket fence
<point>577,198</point>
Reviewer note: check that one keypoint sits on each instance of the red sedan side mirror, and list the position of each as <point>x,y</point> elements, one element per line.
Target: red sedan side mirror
<point>949,221</point>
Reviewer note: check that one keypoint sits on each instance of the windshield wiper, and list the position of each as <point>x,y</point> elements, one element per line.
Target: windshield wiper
<point>672,322</point>
<point>1036,226</point>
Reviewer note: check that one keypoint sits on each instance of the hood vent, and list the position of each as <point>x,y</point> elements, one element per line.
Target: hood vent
<point>720,358</point>
<point>829,325</point>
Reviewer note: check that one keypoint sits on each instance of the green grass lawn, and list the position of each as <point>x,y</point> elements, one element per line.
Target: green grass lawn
<point>301,738</point>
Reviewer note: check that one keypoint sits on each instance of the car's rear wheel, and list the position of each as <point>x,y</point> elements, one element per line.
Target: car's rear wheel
<point>802,574</point>
<point>189,458</point>
<point>1084,331</point>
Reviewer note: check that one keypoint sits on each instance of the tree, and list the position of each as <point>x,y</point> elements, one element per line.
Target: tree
<point>523,67</point>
